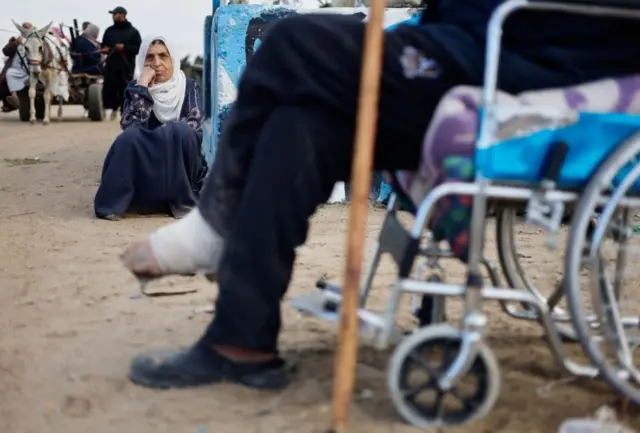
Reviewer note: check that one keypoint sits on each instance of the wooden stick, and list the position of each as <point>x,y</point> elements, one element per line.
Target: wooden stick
<point>346,356</point>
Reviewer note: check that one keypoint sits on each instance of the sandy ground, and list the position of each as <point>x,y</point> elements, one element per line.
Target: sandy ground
<point>70,319</point>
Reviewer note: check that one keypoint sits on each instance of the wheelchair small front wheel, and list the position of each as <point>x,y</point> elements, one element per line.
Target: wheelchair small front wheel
<point>417,364</point>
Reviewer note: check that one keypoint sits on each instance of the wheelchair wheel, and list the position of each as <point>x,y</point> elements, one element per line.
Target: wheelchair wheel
<point>602,249</point>
<point>413,375</point>
<point>514,271</point>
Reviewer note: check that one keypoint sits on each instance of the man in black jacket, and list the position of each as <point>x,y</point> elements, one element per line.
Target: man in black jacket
<point>120,43</point>
<point>289,138</point>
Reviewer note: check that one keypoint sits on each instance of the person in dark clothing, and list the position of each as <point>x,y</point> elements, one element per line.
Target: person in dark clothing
<point>295,111</point>
<point>13,74</point>
<point>87,58</point>
<point>120,43</point>
<point>9,102</point>
<point>156,165</point>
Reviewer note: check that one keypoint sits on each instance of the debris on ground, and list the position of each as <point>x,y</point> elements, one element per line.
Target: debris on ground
<point>16,162</point>
<point>604,421</point>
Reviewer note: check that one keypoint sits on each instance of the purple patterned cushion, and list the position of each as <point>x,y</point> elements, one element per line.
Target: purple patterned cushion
<point>454,126</point>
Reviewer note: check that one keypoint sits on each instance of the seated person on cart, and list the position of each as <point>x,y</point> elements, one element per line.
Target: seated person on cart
<point>156,164</point>
<point>87,58</point>
<point>289,138</point>
<point>14,74</point>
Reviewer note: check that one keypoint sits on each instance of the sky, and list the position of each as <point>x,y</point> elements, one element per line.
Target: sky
<point>181,21</point>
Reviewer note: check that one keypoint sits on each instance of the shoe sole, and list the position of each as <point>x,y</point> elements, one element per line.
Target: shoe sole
<point>259,383</point>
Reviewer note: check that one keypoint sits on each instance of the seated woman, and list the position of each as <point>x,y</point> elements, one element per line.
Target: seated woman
<point>87,58</point>
<point>289,138</point>
<point>156,163</point>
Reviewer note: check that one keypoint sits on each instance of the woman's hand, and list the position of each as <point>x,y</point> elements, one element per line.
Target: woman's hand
<point>147,76</point>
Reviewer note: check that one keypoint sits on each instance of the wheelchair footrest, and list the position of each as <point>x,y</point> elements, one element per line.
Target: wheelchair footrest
<point>325,306</point>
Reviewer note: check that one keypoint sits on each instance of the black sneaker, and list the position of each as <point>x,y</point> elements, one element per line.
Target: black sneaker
<point>200,365</point>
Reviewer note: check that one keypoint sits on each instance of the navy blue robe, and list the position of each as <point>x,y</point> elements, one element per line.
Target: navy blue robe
<point>153,167</point>
<point>86,57</point>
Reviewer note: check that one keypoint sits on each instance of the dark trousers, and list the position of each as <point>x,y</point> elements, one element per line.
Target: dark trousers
<point>4,88</point>
<point>288,139</point>
<point>115,81</point>
<point>4,93</point>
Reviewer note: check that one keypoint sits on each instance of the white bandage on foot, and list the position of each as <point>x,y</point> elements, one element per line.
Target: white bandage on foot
<point>187,246</point>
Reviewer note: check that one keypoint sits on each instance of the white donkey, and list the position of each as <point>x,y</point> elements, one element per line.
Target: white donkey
<point>49,62</point>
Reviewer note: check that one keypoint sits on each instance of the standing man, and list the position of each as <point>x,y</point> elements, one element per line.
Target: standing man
<point>120,43</point>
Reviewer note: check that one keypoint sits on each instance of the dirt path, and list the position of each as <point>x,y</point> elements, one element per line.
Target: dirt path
<point>70,319</point>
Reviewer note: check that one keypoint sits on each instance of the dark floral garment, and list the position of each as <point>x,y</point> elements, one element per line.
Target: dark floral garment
<point>138,107</point>
<point>451,220</point>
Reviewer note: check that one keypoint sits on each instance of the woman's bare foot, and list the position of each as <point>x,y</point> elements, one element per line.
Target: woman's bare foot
<point>188,246</point>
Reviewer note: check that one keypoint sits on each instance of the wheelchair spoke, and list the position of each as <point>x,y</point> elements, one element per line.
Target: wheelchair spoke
<point>467,402</point>
<point>419,361</point>
<point>439,403</point>
<point>414,392</point>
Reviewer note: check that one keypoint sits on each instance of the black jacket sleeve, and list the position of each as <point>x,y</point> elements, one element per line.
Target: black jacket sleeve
<point>133,44</point>
<point>11,48</point>
<point>106,39</point>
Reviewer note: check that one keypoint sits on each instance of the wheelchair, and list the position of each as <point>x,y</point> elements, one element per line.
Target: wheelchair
<point>546,152</point>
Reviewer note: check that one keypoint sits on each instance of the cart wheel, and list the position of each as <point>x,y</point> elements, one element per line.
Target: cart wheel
<point>96,110</point>
<point>23,111</point>
<point>414,370</point>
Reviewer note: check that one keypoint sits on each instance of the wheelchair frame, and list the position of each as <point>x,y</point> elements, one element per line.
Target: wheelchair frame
<point>545,208</point>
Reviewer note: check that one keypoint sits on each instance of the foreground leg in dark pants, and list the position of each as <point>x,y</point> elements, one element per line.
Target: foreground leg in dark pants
<point>288,140</point>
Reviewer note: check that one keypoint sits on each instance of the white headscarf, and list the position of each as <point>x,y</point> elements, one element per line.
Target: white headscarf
<point>91,33</point>
<point>168,96</point>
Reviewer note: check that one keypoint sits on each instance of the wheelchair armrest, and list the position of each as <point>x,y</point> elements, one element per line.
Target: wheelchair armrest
<point>628,4</point>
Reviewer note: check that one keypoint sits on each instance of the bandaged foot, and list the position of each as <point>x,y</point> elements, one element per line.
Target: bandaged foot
<point>186,247</point>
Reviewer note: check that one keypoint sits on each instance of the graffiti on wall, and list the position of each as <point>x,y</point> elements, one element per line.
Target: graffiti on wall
<point>239,31</point>
<point>257,30</point>
<point>254,33</point>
